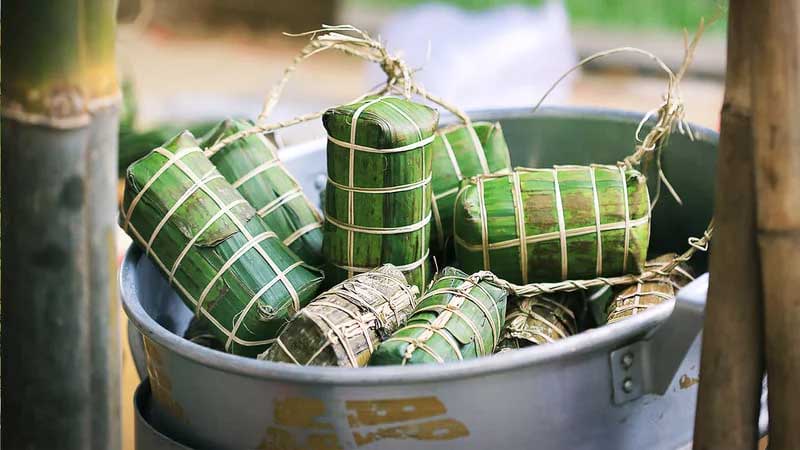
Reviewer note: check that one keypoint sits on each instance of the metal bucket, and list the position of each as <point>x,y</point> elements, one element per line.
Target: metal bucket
<point>629,385</point>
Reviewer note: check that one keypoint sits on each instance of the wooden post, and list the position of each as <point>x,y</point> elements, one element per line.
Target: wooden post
<point>776,129</point>
<point>60,371</point>
<point>732,364</point>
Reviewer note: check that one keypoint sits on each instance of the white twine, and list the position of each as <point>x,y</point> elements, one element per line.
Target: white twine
<point>562,234</point>
<point>519,212</point>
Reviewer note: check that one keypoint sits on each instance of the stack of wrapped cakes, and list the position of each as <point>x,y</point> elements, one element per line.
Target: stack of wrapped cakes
<point>268,276</point>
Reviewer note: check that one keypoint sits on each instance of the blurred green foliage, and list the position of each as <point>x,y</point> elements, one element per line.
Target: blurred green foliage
<point>630,14</point>
<point>135,143</point>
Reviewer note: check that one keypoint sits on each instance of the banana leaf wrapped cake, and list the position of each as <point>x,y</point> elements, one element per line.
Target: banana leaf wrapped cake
<point>542,319</point>
<point>252,166</point>
<point>460,317</point>
<point>378,194</point>
<point>542,225</point>
<point>344,325</point>
<point>634,299</point>
<point>460,152</point>
<point>221,258</point>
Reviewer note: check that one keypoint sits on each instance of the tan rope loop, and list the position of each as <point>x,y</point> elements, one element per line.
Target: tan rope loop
<point>533,289</point>
<point>263,167</point>
<point>300,232</point>
<point>364,148</point>
<point>381,230</point>
<point>281,200</point>
<point>172,158</point>
<point>381,190</point>
<point>243,313</point>
<point>519,212</point>
<point>206,226</point>
<point>402,268</point>
<point>240,226</point>
<point>484,224</point>
<point>598,234</point>
<point>207,177</point>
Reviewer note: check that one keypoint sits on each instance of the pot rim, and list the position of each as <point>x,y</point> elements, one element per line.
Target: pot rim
<point>609,336</point>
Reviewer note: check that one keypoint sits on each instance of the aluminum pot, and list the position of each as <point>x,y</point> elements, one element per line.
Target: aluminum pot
<point>629,385</point>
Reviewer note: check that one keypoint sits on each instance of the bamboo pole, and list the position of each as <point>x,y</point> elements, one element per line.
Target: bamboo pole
<point>776,108</point>
<point>732,364</point>
<point>60,371</point>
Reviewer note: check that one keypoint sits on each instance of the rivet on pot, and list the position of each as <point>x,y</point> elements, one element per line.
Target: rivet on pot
<point>627,385</point>
<point>627,360</point>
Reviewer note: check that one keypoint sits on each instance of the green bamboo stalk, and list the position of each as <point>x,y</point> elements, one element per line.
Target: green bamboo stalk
<point>343,326</point>
<point>593,221</point>
<point>221,258</point>
<point>460,317</point>
<point>459,153</point>
<point>377,205</point>
<point>253,167</point>
<point>60,115</point>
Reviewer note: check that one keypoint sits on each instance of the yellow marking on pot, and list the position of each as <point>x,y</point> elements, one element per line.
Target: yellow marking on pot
<point>301,412</point>
<point>434,430</point>
<point>686,381</point>
<point>160,383</point>
<point>376,412</point>
<point>283,439</point>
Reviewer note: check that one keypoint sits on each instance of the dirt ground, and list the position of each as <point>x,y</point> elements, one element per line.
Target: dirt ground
<point>177,77</point>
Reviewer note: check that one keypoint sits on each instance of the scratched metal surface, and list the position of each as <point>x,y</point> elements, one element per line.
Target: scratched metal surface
<point>552,397</point>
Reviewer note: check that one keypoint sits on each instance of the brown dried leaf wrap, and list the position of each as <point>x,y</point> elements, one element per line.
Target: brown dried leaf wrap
<point>344,325</point>
<point>644,294</point>
<point>542,319</point>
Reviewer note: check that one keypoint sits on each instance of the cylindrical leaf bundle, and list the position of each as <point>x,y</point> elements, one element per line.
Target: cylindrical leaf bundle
<point>634,299</point>
<point>460,317</point>
<point>460,152</point>
<point>378,194</point>
<point>541,225</point>
<point>252,166</point>
<point>222,259</point>
<point>542,319</point>
<point>343,326</point>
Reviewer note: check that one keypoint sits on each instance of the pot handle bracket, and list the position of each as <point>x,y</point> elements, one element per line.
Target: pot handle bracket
<point>648,366</point>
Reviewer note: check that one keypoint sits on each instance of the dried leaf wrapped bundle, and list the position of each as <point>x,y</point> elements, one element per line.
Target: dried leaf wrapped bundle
<point>343,326</point>
<point>460,317</point>
<point>542,319</point>
<point>222,259</point>
<point>640,296</point>
<point>461,152</point>
<point>252,166</point>
<point>378,194</point>
<point>541,225</point>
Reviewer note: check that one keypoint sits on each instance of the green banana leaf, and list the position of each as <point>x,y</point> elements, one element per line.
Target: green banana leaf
<point>253,167</point>
<point>545,225</point>
<point>220,257</point>
<point>378,194</point>
<point>460,317</point>
<point>459,153</point>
